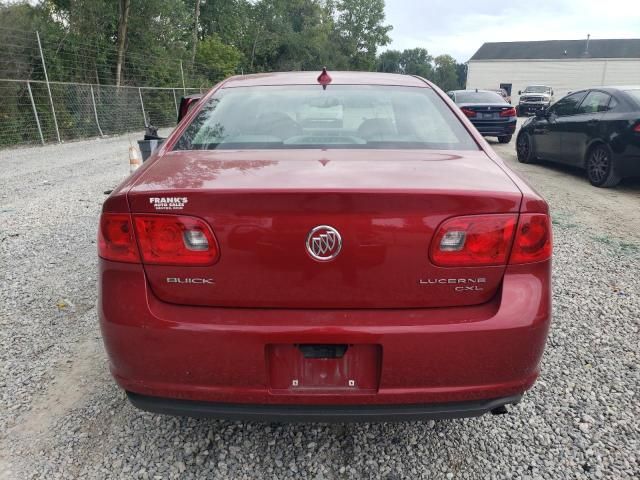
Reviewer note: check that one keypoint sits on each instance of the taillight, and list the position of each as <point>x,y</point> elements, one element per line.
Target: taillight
<point>533,240</point>
<point>508,112</point>
<point>175,240</point>
<point>637,128</point>
<point>475,240</point>
<point>115,238</point>
<point>486,240</point>
<point>468,112</point>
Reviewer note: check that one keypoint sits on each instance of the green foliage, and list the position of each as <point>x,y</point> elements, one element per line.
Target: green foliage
<point>415,61</point>
<point>80,44</point>
<point>215,60</point>
<point>361,31</point>
<point>80,40</point>
<point>444,71</point>
<point>445,75</point>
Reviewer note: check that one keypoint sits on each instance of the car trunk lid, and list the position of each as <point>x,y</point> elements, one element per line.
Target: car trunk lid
<point>385,204</point>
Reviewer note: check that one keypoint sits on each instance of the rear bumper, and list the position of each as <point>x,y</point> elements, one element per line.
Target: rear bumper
<point>497,128</point>
<point>429,357</point>
<point>319,413</point>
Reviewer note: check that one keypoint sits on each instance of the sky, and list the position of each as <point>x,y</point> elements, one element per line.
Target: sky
<point>459,28</point>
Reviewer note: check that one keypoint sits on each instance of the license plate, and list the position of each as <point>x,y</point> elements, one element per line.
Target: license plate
<point>487,115</point>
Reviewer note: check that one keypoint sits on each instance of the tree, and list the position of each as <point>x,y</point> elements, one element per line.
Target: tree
<point>445,75</point>
<point>461,73</point>
<point>123,22</point>
<point>417,61</point>
<point>390,61</point>
<point>361,31</point>
<point>196,25</point>
<point>216,60</point>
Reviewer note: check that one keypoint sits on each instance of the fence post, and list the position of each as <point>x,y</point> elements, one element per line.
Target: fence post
<point>184,89</point>
<point>95,111</point>
<point>35,112</point>
<point>175,101</point>
<point>46,77</point>
<point>144,117</point>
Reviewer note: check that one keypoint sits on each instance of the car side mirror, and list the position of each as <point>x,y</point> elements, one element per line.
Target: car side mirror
<point>186,104</point>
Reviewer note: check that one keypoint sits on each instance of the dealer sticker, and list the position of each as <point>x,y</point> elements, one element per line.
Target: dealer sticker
<point>168,203</point>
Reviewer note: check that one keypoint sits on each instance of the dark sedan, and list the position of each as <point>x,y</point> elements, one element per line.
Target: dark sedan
<point>596,129</point>
<point>488,111</point>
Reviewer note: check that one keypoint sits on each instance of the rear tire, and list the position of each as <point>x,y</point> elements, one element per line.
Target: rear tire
<point>601,169</point>
<point>505,138</point>
<point>524,148</point>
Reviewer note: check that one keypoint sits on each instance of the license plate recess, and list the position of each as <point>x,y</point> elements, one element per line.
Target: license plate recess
<point>324,368</point>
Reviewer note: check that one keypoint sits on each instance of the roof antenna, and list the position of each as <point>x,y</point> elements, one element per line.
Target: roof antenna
<point>324,78</point>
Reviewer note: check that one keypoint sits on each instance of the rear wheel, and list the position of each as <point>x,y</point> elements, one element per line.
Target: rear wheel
<point>524,148</point>
<point>505,138</point>
<point>600,167</point>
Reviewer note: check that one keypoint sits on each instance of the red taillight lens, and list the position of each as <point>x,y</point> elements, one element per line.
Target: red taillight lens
<point>473,240</point>
<point>468,112</point>
<point>484,240</point>
<point>509,112</point>
<point>175,240</point>
<point>115,238</point>
<point>533,242</point>
<point>637,128</point>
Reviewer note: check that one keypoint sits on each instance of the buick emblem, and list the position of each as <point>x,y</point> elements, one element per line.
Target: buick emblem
<point>324,243</point>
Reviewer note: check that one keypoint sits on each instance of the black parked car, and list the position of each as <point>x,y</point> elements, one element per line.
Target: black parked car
<point>488,111</point>
<point>597,129</point>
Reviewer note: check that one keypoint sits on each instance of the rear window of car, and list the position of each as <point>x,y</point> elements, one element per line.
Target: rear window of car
<point>342,116</point>
<point>478,97</point>
<point>635,94</point>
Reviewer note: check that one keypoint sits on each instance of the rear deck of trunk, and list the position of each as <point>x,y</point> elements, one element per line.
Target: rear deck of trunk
<point>262,209</point>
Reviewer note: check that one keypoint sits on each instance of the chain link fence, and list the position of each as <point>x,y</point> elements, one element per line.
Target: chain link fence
<point>28,115</point>
<point>53,91</point>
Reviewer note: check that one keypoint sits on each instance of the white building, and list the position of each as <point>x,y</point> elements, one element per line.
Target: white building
<point>564,65</point>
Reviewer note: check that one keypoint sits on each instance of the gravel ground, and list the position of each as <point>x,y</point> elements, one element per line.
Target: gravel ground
<point>61,415</point>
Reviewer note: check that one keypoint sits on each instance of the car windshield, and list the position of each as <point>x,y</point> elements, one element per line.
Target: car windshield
<point>536,89</point>
<point>342,116</point>
<point>478,97</point>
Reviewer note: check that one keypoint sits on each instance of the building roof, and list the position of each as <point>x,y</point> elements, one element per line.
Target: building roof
<point>556,49</point>
<point>310,78</point>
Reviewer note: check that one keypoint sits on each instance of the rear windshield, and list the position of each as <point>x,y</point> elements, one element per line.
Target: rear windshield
<point>342,116</point>
<point>478,97</point>
<point>635,94</point>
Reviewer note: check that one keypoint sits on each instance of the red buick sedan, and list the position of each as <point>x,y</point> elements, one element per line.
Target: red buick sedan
<point>344,247</point>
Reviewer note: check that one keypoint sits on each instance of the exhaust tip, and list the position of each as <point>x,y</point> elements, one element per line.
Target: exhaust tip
<point>501,410</point>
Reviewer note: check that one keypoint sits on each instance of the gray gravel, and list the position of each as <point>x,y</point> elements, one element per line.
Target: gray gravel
<point>61,415</point>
